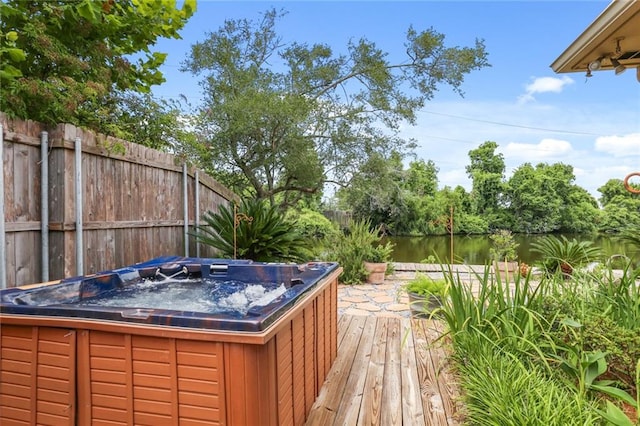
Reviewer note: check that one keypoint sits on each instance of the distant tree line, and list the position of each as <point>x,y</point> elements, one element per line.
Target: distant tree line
<point>541,198</point>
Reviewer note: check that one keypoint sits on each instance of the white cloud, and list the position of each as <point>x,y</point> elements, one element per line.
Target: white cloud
<point>619,146</point>
<point>453,178</point>
<point>544,85</point>
<point>546,149</point>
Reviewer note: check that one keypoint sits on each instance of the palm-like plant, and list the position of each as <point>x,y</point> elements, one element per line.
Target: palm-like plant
<point>564,255</point>
<point>254,230</point>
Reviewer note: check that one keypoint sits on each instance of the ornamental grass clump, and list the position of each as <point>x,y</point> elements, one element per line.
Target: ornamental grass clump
<point>501,389</point>
<point>553,351</point>
<point>500,311</point>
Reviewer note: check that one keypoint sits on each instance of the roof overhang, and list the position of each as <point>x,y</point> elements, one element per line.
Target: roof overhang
<point>617,25</point>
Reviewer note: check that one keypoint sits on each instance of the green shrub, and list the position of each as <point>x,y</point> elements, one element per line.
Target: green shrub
<point>503,246</point>
<point>356,244</point>
<point>313,224</point>
<point>316,228</point>
<point>424,285</point>
<point>253,231</point>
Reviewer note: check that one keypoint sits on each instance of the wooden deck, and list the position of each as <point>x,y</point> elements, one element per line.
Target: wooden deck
<point>387,372</point>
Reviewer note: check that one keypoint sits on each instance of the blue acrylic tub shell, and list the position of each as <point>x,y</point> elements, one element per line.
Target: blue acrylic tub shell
<point>64,298</point>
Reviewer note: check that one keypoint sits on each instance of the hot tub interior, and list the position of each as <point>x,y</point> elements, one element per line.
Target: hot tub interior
<point>222,294</point>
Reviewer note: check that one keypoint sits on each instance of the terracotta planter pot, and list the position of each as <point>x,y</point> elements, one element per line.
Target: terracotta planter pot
<point>506,270</point>
<point>376,272</point>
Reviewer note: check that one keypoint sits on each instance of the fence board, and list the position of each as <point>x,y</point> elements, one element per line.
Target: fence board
<point>132,202</point>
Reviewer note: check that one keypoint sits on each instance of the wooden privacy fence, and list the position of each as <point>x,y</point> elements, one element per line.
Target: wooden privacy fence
<point>73,206</point>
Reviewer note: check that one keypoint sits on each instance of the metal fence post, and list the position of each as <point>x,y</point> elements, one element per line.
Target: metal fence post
<point>185,178</point>
<point>197,208</point>
<point>44,203</point>
<point>79,201</point>
<point>3,255</point>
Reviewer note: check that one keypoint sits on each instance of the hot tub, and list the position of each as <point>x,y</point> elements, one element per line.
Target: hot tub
<point>170,341</point>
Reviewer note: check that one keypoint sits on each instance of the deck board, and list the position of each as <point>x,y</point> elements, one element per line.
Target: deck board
<point>388,372</point>
<point>349,408</point>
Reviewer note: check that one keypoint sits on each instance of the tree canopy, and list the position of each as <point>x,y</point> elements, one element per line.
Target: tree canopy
<point>76,55</point>
<point>281,120</point>
<point>534,199</point>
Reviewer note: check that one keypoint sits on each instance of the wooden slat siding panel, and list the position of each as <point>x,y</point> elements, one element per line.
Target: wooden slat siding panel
<point>235,386</point>
<point>151,356</point>
<point>326,405</point>
<point>14,415</point>
<point>329,328</point>
<point>107,355</point>
<point>84,377</point>
<point>431,399</point>
<point>446,381</point>
<point>391,409</point>
<point>371,400</point>
<point>15,390</point>
<point>297,359</point>
<point>17,366</point>
<point>268,383</point>
<point>320,341</point>
<point>19,404</point>
<point>16,377</point>
<point>334,319</point>
<point>211,381</point>
<point>349,409</point>
<point>310,389</point>
<point>43,383</point>
<point>412,410</point>
<point>129,377</point>
<point>329,335</point>
<point>256,377</point>
<point>33,374</point>
<point>284,376</point>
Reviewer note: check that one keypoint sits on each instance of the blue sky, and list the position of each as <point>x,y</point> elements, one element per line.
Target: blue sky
<point>532,113</point>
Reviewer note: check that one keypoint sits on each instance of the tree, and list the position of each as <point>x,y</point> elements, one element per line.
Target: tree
<point>79,53</point>
<point>614,188</point>
<point>621,208</point>
<point>487,173</point>
<point>422,178</point>
<point>376,194</point>
<point>157,123</point>
<point>290,118</point>
<point>9,55</point>
<point>544,199</point>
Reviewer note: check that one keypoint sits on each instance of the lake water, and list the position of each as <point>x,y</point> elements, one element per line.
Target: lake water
<point>474,249</point>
